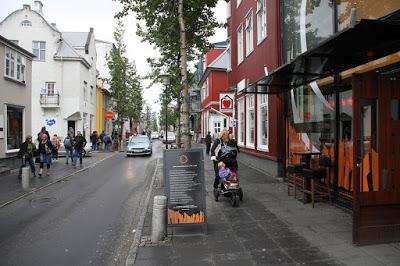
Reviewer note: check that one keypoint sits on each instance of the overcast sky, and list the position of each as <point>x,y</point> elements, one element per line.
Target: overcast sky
<point>80,15</point>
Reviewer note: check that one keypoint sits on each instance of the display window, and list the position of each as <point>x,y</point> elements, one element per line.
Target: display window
<point>14,127</point>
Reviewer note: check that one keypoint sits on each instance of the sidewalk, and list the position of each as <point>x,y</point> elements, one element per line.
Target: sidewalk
<point>10,186</point>
<point>269,228</point>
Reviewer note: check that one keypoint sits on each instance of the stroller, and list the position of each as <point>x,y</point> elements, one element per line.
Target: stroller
<point>230,187</point>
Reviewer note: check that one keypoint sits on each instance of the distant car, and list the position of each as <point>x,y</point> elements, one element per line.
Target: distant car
<point>87,150</point>
<point>139,145</point>
<point>155,135</point>
<point>171,138</point>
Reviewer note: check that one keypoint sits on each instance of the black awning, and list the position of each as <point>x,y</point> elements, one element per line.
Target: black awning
<point>368,40</point>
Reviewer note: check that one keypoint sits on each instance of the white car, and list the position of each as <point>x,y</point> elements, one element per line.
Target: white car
<point>171,138</point>
<point>155,135</point>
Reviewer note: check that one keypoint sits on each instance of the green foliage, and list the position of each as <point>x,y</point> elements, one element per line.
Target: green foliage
<point>125,83</point>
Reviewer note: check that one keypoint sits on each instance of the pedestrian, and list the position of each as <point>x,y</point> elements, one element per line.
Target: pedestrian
<point>102,135</point>
<point>208,142</point>
<point>45,151</point>
<point>79,143</point>
<point>215,135</point>
<point>55,141</point>
<point>107,142</point>
<point>94,138</point>
<point>43,131</point>
<point>26,153</point>
<point>233,143</point>
<point>68,146</point>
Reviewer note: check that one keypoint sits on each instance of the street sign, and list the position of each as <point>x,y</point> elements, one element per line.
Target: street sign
<point>185,188</point>
<point>109,115</point>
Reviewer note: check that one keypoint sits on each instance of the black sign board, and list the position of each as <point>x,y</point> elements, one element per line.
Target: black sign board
<point>184,184</point>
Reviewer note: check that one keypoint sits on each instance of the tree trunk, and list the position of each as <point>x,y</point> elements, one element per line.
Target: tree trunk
<point>179,135</point>
<point>185,113</point>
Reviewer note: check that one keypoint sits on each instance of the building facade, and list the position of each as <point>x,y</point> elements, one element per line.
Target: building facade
<point>213,83</point>
<point>15,100</point>
<point>253,34</point>
<point>64,71</point>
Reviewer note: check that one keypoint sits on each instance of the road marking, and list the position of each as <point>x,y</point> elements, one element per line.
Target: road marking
<point>130,260</point>
<point>56,181</point>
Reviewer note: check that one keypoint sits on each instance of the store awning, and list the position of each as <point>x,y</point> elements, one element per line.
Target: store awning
<point>75,116</point>
<point>366,41</point>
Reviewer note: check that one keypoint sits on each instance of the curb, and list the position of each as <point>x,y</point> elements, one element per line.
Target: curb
<point>56,181</point>
<point>130,260</point>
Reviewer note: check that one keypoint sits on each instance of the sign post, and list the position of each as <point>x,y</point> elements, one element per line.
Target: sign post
<point>185,188</point>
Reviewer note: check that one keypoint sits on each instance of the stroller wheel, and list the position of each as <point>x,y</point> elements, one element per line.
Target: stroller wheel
<point>216,194</point>
<point>235,200</point>
<point>240,192</point>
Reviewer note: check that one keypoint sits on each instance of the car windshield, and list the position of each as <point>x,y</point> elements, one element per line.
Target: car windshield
<point>139,140</point>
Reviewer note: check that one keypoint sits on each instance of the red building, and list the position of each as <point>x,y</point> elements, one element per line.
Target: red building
<point>253,33</point>
<point>213,86</point>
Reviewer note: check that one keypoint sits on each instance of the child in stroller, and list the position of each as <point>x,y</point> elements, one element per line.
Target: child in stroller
<point>225,174</point>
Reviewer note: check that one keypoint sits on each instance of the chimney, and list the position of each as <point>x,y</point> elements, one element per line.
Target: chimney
<point>27,7</point>
<point>39,7</point>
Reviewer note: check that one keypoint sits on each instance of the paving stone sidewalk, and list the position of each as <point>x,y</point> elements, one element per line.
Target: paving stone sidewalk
<point>269,228</point>
<point>11,188</point>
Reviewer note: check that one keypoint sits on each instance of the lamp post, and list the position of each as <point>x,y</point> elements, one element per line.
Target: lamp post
<point>166,81</point>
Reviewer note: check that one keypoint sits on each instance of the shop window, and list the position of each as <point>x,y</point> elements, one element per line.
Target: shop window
<point>365,9</point>
<point>263,125</point>
<point>241,121</point>
<point>305,23</point>
<point>14,127</point>
<point>395,109</point>
<point>250,123</point>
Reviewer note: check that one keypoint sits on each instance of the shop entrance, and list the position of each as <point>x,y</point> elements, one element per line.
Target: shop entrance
<point>376,124</point>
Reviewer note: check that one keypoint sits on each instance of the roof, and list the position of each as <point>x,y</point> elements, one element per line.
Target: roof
<point>15,46</point>
<point>222,44</point>
<point>219,64</point>
<point>76,39</point>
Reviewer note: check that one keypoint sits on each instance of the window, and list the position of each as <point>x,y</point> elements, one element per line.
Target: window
<point>250,125</point>
<point>39,50</point>
<point>26,23</point>
<point>14,65</point>
<point>217,126</point>
<point>228,51</point>
<point>14,127</point>
<point>207,92</point>
<point>240,44</point>
<point>50,88</point>
<point>395,109</point>
<point>261,20</point>
<point>241,121</point>
<point>263,125</point>
<point>85,92</point>
<point>249,33</point>
<point>91,94</point>
<point>238,2</point>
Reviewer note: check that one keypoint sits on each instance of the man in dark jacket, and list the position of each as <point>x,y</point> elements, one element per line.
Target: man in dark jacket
<point>79,143</point>
<point>43,131</point>
<point>208,142</point>
<point>26,151</point>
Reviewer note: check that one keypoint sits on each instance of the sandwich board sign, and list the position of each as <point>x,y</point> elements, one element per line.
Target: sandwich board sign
<point>184,187</point>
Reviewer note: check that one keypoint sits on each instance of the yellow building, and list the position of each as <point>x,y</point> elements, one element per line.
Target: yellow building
<point>103,104</point>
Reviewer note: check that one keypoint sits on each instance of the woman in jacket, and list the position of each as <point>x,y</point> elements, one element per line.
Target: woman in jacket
<point>45,151</point>
<point>26,153</point>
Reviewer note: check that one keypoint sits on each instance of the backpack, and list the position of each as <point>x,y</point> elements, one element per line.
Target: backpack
<point>67,143</point>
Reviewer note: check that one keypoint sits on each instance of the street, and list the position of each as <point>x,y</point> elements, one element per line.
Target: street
<point>89,218</point>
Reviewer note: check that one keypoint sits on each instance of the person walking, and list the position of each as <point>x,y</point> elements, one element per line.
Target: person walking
<point>43,131</point>
<point>69,147</point>
<point>79,144</point>
<point>94,138</point>
<point>208,143</point>
<point>26,153</point>
<point>215,135</point>
<point>107,142</point>
<point>45,151</point>
<point>55,141</point>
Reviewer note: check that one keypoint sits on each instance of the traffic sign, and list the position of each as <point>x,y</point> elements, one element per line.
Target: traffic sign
<point>109,115</point>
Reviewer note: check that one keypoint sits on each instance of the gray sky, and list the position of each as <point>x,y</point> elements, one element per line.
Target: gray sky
<point>80,15</point>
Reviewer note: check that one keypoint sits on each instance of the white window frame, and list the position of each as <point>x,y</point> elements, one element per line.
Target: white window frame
<point>26,23</point>
<point>240,44</point>
<point>40,55</point>
<point>50,87</point>
<point>14,65</point>
<point>238,2</point>
<point>241,122</point>
<point>207,88</point>
<point>229,52</point>
<point>250,102</point>
<point>262,103</point>
<point>249,30</point>
<point>261,20</point>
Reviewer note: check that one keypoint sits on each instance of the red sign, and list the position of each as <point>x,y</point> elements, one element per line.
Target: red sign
<point>226,102</point>
<point>109,115</point>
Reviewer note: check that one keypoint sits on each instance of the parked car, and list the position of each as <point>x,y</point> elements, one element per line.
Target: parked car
<point>87,150</point>
<point>171,138</point>
<point>139,145</point>
<point>155,135</point>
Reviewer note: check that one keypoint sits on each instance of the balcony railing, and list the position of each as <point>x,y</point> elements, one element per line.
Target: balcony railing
<point>50,100</point>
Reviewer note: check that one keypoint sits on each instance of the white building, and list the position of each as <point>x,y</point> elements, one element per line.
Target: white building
<point>63,71</point>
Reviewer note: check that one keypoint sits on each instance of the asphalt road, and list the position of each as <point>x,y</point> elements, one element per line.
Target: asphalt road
<point>87,220</point>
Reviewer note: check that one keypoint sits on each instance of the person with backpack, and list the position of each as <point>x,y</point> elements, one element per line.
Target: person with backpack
<point>94,138</point>
<point>55,141</point>
<point>45,151</point>
<point>26,153</point>
<point>79,144</point>
<point>68,146</point>
<point>107,142</point>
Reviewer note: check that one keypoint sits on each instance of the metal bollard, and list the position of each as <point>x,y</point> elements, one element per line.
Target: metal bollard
<point>158,224</point>
<point>25,176</point>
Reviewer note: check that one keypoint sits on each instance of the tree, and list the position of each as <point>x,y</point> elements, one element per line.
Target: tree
<point>125,84</point>
<point>153,123</point>
<point>178,30</point>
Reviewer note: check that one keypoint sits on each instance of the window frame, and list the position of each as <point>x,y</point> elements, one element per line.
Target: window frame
<point>260,106</point>
<point>26,23</point>
<point>261,20</point>
<point>241,122</point>
<point>39,48</point>
<point>7,151</point>
<point>14,65</point>
<point>240,48</point>
<point>250,107</point>
<point>249,31</point>
<point>238,2</point>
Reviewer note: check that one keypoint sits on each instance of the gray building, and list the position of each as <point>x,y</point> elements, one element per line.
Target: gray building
<point>15,100</point>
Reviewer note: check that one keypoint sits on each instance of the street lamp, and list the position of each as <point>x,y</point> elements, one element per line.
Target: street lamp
<point>166,81</point>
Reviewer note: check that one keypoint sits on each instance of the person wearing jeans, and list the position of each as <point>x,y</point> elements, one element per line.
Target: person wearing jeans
<point>45,150</point>
<point>79,144</point>
<point>26,152</point>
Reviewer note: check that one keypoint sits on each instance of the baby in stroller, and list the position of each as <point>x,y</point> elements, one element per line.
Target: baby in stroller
<point>225,174</point>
